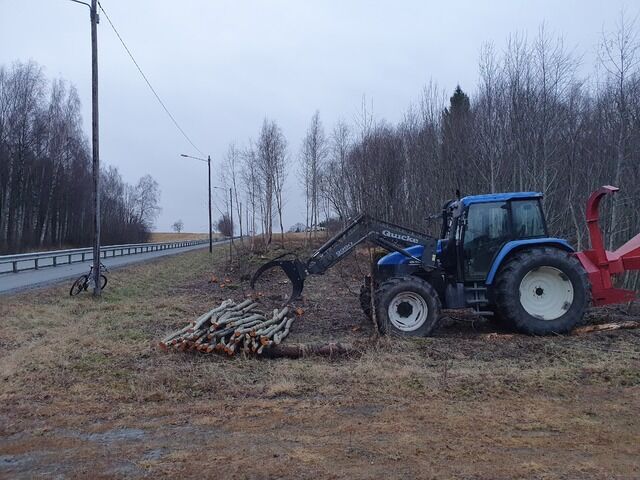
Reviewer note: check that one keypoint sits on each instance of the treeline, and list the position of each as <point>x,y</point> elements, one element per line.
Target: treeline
<point>256,176</point>
<point>45,171</point>
<point>532,123</point>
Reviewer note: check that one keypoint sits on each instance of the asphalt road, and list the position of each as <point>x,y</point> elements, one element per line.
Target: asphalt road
<point>14,282</point>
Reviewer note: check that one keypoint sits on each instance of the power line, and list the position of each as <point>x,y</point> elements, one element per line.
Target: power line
<point>175,122</point>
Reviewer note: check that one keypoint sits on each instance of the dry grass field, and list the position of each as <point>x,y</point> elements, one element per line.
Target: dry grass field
<point>86,393</point>
<point>157,237</point>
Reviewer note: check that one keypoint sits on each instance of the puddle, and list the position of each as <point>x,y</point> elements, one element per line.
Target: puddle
<point>155,454</point>
<point>10,461</point>
<point>116,435</point>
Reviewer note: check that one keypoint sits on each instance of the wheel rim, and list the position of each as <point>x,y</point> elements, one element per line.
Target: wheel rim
<point>546,293</point>
<point>408,311</point>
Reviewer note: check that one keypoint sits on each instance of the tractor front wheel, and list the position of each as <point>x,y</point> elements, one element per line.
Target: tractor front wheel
<point>542,291</point>
<point>407,306</point>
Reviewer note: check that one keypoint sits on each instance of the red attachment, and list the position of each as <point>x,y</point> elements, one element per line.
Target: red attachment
<point>601,264</point>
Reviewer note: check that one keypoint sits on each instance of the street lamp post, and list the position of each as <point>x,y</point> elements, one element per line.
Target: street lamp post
<point>208,160</point>
<point>230,219</point>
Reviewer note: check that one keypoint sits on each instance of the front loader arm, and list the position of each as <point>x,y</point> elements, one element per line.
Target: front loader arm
<point>363,228</point>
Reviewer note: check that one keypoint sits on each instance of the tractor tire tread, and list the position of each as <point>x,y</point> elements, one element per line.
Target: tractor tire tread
<point>384,291</point>
<point>508,298</point>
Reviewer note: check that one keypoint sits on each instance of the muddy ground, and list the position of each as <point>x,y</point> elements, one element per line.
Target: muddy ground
<point>86,393</point>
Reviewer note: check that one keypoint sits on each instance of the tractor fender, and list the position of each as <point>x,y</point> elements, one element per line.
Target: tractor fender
<point>516,245</point>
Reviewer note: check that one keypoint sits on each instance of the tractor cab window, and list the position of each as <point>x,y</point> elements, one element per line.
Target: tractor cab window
<point>486,230</point>
<point>527,219</point>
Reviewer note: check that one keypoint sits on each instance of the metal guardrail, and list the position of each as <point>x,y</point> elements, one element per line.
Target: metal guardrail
<point>34,261</point>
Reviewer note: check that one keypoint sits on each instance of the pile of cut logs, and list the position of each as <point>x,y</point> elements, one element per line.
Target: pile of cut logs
<point>232,327</point>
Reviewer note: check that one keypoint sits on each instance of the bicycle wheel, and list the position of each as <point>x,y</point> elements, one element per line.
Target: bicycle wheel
<point>79,285</point>
<point>104,282</point>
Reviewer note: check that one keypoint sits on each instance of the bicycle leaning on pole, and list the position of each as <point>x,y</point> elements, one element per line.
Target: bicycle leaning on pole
<point>84,281</point>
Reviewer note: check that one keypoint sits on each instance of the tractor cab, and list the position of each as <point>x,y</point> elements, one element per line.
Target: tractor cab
<point>476,228</point>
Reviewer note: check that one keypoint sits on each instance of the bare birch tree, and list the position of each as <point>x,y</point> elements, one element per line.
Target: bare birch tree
<point>312,158</point>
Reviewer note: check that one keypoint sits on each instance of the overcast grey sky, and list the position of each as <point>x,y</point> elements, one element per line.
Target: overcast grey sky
<point>222,66</point>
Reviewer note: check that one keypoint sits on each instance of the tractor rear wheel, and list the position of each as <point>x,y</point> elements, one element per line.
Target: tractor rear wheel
<point>542,290</point>
<point>407,306</point>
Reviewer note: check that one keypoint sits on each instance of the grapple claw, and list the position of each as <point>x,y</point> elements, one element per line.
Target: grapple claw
<point>295,271</point>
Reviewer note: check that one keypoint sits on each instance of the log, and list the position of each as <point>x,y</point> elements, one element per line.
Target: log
<point>242,305</point>
<point>175,334</point>
<point>194,335</point>
<point>247,328</point>
<point>605,327</point>
<point>269,333</point>
<point>278,337</point>
<point>223,333</point>
<point>207,316</point>
<point>266,327</point>
<point>245,320</point>
<point>281,317</point>
<point>226,317</point>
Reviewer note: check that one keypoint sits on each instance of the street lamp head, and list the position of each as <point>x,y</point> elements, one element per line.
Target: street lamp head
<point>195,158</point>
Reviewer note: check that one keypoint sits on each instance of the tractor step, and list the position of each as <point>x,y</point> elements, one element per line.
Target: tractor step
<point>475,296</point>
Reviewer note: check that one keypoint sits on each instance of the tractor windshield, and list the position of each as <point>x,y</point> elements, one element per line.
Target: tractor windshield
<point>527,219</point>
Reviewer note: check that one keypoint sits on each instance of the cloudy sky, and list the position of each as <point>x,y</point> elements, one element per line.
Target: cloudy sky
<point>222,66</point>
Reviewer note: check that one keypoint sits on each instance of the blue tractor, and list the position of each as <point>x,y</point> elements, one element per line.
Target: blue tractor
<point>494,255</point>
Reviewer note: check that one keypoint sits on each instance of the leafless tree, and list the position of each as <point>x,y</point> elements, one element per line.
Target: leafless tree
<point>178,226</point>
<point>45,170</point>
<point>619,55</point>
<point>312,158</point>
<point>531,124</point>
<point>252,192</point>
<point>336,185</point>
<point>230,178</point>
<point>271,168</point>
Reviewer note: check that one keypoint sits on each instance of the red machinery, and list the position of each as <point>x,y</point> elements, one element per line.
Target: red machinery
<point>601,264</point>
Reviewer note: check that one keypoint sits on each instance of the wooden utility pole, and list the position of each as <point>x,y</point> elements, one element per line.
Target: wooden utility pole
<point>95,19</point>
